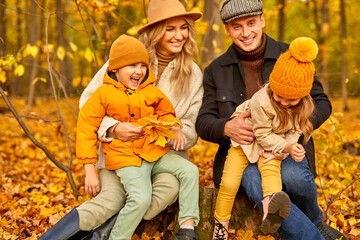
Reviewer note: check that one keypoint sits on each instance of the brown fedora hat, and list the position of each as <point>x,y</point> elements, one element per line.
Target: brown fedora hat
<point>160,10</point>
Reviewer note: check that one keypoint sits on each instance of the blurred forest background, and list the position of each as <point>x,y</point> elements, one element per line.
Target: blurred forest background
<point>51,49</point>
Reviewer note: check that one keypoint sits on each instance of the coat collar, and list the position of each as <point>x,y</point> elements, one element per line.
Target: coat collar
<point>272,52</point>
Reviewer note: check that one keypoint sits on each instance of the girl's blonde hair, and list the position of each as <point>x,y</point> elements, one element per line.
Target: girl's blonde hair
<point>180,78</point>
<point>300,114</point>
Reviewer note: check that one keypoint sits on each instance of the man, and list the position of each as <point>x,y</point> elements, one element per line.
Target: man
<point>233,78</point>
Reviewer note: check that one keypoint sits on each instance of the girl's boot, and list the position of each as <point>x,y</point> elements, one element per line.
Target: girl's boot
<point>220,230</point>
<point>276,208</point>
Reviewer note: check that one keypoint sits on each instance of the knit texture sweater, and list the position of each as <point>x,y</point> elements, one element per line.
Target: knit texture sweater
<point>252,65</point>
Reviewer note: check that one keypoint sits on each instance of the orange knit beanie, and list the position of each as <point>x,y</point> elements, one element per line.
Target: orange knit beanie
<point>293,73</point>
<point>125,51</point>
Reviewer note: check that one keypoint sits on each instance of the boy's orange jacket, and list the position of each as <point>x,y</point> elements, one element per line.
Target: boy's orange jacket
<point>115,100</point>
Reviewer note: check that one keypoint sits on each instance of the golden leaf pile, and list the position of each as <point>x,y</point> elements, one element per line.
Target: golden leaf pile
<point>158,130</point>
<point>35,194</point>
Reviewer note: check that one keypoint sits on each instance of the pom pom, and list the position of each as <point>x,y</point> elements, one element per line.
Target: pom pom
<point>303,49</point>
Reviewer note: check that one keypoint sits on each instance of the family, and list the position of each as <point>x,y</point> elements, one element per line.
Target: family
<point>259,101</point>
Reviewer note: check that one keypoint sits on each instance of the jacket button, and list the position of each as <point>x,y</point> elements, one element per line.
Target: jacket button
<point>223,97</point>
<point>241,94</point>
<point>132,115</point>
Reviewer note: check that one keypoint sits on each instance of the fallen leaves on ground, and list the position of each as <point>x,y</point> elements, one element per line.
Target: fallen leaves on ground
<point>35,194</point>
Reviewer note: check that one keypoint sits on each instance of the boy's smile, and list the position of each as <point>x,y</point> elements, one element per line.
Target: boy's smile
<point>132,75</point>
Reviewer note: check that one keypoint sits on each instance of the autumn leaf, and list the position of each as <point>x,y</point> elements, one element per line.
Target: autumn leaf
<point>61,53</point>
<point>157,130</point>
<point>19,70</point>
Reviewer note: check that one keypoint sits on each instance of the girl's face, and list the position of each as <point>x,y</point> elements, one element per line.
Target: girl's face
<point>175,36</point>
<point>132,75</point>
<point>285,102</point>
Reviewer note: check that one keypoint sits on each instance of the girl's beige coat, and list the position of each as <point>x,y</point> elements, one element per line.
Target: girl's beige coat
<point>265,123</point>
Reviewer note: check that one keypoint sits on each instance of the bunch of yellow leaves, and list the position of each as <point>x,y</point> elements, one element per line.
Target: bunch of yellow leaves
<point>157,130</point>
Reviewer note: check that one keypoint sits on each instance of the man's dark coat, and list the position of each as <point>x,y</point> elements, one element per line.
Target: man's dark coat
<point>224,90</point>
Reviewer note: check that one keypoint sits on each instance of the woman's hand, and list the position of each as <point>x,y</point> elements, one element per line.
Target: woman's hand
<point>180,139</point>
<point>92,183</point>
<point>126,132</point>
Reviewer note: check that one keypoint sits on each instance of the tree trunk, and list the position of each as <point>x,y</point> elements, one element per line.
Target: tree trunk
<point>212,44</point>
<point>343,56</point>
<point>244,216</point>
<point>63,71</point>
<point>323,47</point>
<point>316,21</point>
<point>16,84</point>
<point>2,28</point>
<point>281,19</point>
<point>33,36</point>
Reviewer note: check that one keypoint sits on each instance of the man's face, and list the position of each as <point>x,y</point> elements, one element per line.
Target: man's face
<point>246,32</point>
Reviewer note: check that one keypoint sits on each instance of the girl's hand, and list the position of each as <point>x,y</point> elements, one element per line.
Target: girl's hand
<point>126,132</point>
<point>270,156</point>
<point>297,152</point>
<point>180,139</point>
<point>92,183</point>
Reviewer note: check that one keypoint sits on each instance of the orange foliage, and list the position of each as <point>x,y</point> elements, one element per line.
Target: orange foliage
<point>35,194</point>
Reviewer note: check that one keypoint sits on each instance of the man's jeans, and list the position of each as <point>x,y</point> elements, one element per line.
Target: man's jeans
<point>298,183</point>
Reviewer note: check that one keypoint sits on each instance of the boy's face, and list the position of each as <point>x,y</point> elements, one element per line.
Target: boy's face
<point>246,32</point>
<point>132,75</point>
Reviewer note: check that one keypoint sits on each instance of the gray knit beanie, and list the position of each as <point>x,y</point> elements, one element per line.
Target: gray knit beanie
<point>232,9</point>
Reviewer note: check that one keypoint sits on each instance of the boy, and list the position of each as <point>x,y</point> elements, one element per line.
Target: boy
<point>128,95</point>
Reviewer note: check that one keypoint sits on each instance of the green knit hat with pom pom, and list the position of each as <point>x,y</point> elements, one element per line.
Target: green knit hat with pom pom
<point>293,73</point>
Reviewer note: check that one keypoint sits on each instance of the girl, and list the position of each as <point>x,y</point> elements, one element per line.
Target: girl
<point>280,113</point>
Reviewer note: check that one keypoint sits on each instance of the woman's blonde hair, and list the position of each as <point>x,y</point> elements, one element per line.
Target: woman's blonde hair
<point>300,114</point>
<point>180,78</point>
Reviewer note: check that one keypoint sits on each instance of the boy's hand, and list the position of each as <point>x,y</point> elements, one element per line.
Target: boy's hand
<point>297,152</point>
<point>92,183</point>
<point>180,139</point>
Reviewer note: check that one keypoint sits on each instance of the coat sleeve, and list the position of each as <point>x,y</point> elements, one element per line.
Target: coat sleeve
<point>95,83</point>
<point>263,129</point>
<point>89,120</point>
<point>323,106</point>
<point>209,125</point>
<point>189,118</point>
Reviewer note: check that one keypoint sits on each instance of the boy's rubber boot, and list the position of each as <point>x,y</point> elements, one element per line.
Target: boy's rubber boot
<point>66,229</point>
<point>186,234</point>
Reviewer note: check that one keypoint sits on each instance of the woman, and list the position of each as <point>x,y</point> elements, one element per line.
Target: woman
<point>170,40</point>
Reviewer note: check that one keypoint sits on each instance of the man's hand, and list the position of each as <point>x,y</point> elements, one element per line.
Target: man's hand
<point>126,132</point>
<point>180,139</point>
<point>92,183</point>
<point>240,131</point>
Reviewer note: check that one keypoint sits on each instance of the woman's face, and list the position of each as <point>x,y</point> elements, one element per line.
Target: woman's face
<point>175,36</point>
